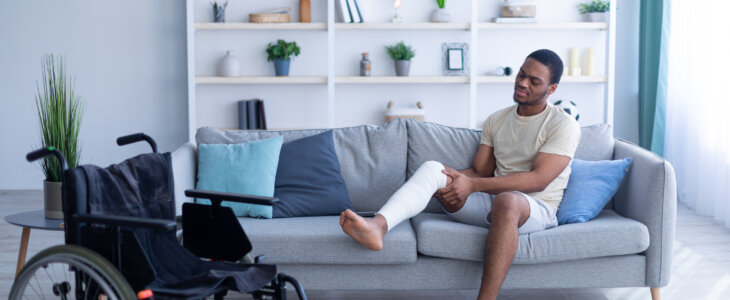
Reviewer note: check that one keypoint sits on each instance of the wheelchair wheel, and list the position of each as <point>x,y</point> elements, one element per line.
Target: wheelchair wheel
<point>70,272</point>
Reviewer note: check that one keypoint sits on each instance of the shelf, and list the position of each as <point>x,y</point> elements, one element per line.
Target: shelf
<point>401,79</point>
<point>261,26</point>
<point>538,25</point>
<point>564,79</point>
<point>405,26</point>
<point>262,80</point>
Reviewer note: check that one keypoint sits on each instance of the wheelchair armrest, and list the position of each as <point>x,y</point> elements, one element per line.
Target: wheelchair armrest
<point>217,197</point>
<point>155,224</point>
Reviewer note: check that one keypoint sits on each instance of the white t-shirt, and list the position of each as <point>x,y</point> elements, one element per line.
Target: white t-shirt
<point>516,140</point>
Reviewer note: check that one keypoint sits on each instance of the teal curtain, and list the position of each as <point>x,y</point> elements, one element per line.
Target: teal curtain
<point>653,48</point>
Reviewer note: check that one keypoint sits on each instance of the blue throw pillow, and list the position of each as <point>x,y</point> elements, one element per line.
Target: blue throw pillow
<point>308,181</point>
<point>248,168</point>
<point>592,184</point>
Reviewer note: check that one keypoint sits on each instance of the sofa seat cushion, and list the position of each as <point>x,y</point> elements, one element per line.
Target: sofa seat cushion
<point>608,234</point>
<point>320,240</point>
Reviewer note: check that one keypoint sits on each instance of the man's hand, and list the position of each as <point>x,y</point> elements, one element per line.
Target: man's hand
<point>453,196</point>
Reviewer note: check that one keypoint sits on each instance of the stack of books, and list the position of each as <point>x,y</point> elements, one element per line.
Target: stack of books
<point>251,114</point>
<point>348,11</point>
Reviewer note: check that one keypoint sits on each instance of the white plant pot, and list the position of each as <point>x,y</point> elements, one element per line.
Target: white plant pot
<point>52,200</point>
<point>597,16</point>
<point>440,15</point>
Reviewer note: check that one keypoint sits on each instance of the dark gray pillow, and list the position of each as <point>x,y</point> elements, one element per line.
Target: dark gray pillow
<point>308,179</point>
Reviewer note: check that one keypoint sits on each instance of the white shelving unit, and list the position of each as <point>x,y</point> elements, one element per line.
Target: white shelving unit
<point>475,27</point>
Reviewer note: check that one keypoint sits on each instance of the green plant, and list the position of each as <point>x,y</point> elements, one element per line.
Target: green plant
<point>282,50</point>
<point>597,6</point>
<point>60,112</point>
<point>441,3</point>
<point>400,51</point>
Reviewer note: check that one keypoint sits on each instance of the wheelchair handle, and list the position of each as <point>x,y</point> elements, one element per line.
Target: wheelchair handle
<point>136,137</point>
<point>43,152</point>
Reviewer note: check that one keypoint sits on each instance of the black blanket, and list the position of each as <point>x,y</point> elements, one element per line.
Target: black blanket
<point>142,187</point>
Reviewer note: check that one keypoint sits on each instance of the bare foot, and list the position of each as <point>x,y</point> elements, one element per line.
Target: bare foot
<point>367,231</point>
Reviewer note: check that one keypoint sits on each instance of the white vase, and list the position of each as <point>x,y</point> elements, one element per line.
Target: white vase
<point>52,200</point>
<point>440,15</point>
<point>229,65</point>
<point>597,16</point>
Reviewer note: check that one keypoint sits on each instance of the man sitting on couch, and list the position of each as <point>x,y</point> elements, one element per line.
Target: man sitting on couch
<point>516,181</point>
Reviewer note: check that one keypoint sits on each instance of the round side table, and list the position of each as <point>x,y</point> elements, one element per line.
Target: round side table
<point>31,219</point>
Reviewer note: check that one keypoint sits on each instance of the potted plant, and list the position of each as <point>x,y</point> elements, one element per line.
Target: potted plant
<point>401,54</point>
<point>596,10</point>
<point>441,15</point>
<point>281,53</point>
<point>60,112</point>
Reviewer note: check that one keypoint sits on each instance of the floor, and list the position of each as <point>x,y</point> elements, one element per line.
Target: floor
<point>701,267</point>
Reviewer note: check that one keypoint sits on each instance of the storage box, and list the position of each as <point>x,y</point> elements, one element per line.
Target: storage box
<point>519,9</point>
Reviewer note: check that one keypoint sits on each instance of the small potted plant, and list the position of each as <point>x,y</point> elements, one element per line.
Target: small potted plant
<point>441,15</point>
<point>281,53</point>
<point>401,55</point>
<point>596,10</point>
<point>60,112</point>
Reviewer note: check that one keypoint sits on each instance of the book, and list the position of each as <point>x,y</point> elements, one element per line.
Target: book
<point>359,14</point>
<point>515,20</point>
<point>343,12</point>
<point>353,11</point>
<point>242,115</point>
<point>261,115</point>
<point>251,112</point>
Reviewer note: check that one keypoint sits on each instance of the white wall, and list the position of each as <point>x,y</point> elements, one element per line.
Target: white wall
<point>128,59</point>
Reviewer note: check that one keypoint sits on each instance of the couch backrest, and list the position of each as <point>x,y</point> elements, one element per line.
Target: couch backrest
<point>456,147</point>
<point>372,158</point>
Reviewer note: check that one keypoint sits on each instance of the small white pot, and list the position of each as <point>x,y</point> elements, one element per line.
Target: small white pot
<point>597,16</point>
<point>440,15</point>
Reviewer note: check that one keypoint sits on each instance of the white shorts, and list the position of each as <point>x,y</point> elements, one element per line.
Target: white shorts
<point>478,205</point>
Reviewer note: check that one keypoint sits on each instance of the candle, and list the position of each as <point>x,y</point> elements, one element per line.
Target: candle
<point>574,62</point>
<point>396,3</point>
<point>589,62</point>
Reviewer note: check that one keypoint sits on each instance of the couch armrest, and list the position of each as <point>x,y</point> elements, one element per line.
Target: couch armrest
<point>185,171</point>
<point>649,195</point>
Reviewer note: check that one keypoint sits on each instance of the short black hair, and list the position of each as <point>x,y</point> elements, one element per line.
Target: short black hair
<point>552,61</point>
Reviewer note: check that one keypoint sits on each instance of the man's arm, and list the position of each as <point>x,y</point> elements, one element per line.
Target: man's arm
<point>544,170</point>
<point>483,164</point>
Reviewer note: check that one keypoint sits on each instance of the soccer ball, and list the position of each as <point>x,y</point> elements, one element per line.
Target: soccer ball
<point>569,107</point>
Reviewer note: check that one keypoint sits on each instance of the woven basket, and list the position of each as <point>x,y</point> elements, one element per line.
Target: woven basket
<point>268,18</point>
<point>276,15</point>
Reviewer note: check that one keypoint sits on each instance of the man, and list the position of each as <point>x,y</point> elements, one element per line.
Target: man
<point>516,181</point>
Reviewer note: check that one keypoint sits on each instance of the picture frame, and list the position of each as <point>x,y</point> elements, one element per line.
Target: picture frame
<point>455,59</point>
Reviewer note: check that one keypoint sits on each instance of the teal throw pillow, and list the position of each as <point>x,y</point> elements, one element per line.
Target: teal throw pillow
<point>248,168</point>
<point>592,184</point>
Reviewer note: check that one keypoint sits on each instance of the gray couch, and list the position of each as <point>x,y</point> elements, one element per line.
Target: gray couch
<point>628,245</point>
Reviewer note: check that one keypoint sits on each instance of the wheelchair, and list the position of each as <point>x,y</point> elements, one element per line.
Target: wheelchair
<point>121,242</point>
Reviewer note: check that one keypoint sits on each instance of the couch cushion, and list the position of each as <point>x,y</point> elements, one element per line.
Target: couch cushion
<point>596,142</point>
<point>309,181</point>
<point>454,147</point>
<point>246,168</point>
<point>607,235</point>
<point>370,156</point>
<point>320,240</point>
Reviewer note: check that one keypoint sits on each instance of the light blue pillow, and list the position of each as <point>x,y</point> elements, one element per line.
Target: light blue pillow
<point>248,168</point>
<point>592,184</point>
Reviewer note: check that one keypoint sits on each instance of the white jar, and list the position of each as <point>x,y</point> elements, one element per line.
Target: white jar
<point>229,66</point>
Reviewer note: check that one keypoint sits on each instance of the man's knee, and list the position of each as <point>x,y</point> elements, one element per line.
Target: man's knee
<point>432,165</point>
<point>511,205</point>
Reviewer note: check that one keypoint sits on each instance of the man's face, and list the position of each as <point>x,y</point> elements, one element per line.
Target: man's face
<point>532,84</point>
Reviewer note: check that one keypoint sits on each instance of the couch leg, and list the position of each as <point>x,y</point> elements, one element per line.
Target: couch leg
<point>655,293</point>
